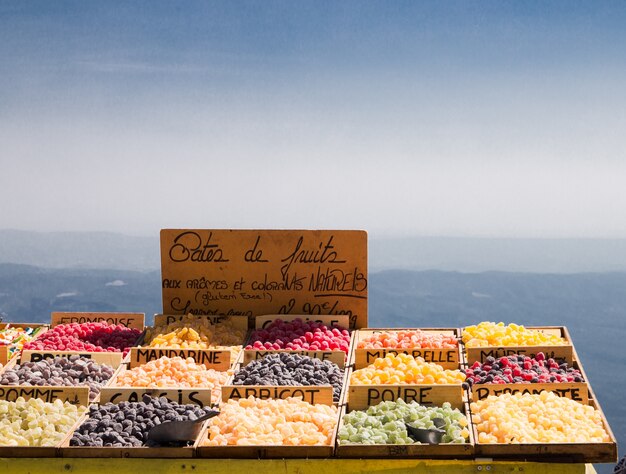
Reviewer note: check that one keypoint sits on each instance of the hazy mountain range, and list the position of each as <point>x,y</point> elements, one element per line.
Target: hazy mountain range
<point>591,304</point>
<point>110,250</point>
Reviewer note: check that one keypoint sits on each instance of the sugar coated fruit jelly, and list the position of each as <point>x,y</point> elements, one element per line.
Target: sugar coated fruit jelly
<point>174,372</point>
<point>16,337</point>
<point>408,339</point>
<point>86,337</point>
<point>192,332</point>
<point>488,334</point>
<point>521,369</point>
<point>60,371</point>
<point>386,422</point>
<point>300,335</point>
<point>291,369</point>
<point>542,418</point>
<point>288,422</point>
<point>126,424</point>
<point>34,422</point>
<point>405,369</point>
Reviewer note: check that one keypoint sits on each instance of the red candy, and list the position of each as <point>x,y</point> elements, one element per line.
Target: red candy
<point>300,335</point>
<point>86,337</point>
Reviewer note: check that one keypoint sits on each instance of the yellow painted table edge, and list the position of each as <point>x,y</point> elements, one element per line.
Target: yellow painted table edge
<point>280,466</point>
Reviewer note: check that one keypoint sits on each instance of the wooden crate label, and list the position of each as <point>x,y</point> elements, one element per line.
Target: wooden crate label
<point>577,391</point>
<point>130,320</point>
<point>114,359</point>
<point>362,396</point>
<point>218,359</point>
<point>197,396</point>
<point>337,357</point>
<point>449,357</point>
<point>73,395</point>
<point>256,272</point>
<point>336,320</point>
<point>238,322</point>
<point>322,394</point>
<point>551,352</point>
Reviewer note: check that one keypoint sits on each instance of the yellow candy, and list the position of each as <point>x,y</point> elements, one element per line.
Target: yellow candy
<point>491,334</point>
<point>289,422</point>
<point>405,369</point>
<point>543,418</point>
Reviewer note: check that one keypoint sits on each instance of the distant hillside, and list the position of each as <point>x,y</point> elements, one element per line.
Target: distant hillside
<point>110,250</point>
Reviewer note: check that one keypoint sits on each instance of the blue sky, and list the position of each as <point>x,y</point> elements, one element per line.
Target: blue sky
<point>402,118</point>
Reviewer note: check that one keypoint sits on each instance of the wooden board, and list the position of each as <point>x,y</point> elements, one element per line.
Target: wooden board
<point>114,359</point>
<point>47,393</point>
<point>553,452</point>
<point>336,357</point>
<point>362,396</point>
<point>578,391</point>
<point>197,396</point>
<point>130,320</point>
<point>447,358</point>
<point>4,355</point>
<point>238,322</point>
<point>217,359</point>
<point>431,451</point>
<point>256,272</point>
<point>314,394</point>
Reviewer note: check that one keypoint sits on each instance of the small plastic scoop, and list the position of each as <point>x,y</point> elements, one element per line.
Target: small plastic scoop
<point>428,435</point>
<point>172,432</point>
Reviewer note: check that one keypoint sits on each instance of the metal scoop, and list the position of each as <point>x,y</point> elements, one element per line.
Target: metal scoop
<point>176,432</point>
<point>428,435</point>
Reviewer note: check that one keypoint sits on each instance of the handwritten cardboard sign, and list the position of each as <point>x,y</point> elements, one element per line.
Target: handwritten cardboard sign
<point>238,323</point>
<point>360,397</point>
<point>47,393</point>
<point>130,320</point>
<point>337,357</point>
<point>216,359</point>
<point>256,272</point>
<point>578,391</point>
<point>114,359</point>
<point>316,394</point>
<point>197,396</point>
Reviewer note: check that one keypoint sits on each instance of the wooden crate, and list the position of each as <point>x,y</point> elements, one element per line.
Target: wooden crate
<point>430,451</point>
<point>362,396</point>
<point>447,358</point>
<point>5,354</point>
<point>565,352</point>
<point>75,395</point>
<point>117,395</point>
<point>553,452</point>
<point>265,452</point>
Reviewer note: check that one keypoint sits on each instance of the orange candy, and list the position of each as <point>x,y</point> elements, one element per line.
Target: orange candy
<point>405,369</point>
<point>408,339</point>
<point>289,422</point>
<point>175,372</point>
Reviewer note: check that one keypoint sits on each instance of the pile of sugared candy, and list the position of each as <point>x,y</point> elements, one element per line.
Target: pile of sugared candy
<point>16,337</point>
<point>542,418</point>
<point>408,339</point>
<point>299,335</point>
<point>193,332</point>
<point>291,369</point>
<point>405,369</point>
<point>289,422</point>
<point>174,372</point>
<point>34,422</point>
<point>86,337</point>
<point>60,371</point>
<point>386,422</point>
<point>488,334</point>
<point>521,369</point>
<point>126,424</point>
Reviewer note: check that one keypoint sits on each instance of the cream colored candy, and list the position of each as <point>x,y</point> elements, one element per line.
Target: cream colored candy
<point>35,422</point>
<point>542,418</point>
<point>289,422</point>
